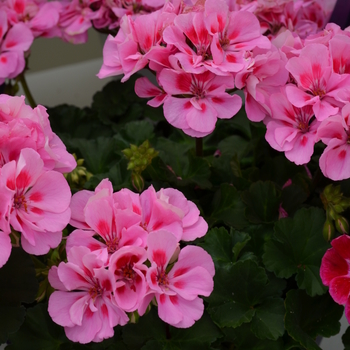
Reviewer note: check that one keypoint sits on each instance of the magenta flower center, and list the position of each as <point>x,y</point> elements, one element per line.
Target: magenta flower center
<point>112,245</point>
<point>128,272</point>
<point>197,89</point>
<point>20,201</point>
<point>95,291</point>
<point>162,279</point>
<point>318,88</point>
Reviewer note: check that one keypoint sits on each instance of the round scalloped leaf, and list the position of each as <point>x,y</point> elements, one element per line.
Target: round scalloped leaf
<point>297,247</point>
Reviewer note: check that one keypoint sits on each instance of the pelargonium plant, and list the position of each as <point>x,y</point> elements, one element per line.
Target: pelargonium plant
<point>201,201</point>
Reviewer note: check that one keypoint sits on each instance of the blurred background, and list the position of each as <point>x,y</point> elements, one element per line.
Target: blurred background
<point>60,72</point>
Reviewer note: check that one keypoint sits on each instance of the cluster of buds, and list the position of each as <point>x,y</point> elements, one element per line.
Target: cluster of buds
<point>139,159</point>
<point>335,204</point>
<point>78,176</point>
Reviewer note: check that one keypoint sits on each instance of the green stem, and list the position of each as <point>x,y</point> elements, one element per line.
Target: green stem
<point>26,90</point>
<point>199,147</point>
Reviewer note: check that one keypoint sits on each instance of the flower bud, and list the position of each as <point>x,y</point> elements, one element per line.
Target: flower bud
<point>137,182</point>
<point>328,230</point>
<point>342,225</point>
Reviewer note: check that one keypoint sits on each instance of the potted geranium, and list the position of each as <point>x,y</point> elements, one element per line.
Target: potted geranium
<point>191,215</point>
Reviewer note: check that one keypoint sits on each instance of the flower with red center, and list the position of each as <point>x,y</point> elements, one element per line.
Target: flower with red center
<point>177,291</point>
<point>318,86</point>
<point>335,133</point>
<point>84,304</point>
<point>195,101</point>
<point>40,201</point>
<point>291,130</point>
<point>129,271</point>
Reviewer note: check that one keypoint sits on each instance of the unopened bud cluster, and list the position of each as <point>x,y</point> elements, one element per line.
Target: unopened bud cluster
<point>139,159</point>
<point>334,203</point>
<point>79,175</point>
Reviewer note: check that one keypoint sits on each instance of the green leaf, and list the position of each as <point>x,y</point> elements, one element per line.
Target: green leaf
<point>244,339</point>
<point>307,317</point>
<point>99,154</point>
<point>117,174</point>
<point>137,132</point>
<point>152,333</point>
<point>228,207</point>
<point>233,145</point>
<point>268,322</point>
<point>224,247</point>
<point>262,202</point>
<point>199,336</point>
<point>149,326</point>
<point>17,284</point>
<point>11,319</point>
<point>297,247</point>
<point>197,172</point>
<point>38,332</point>
<point>237,292</point>
<point>17,279</point>
<point>346,339</point>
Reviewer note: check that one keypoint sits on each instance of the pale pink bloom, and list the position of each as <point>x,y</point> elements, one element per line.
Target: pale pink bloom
<point>291,130</point>
<point>318,86</point>
<point>14,41</point>
<point>323,36</point>
<point>81,198</point>
<point>158,214</point>
<point>197,114</point>
<point>334,271</point>
<point>39,16</point>
<point>117,228</point>
<point>233,34</point>
<point>5,241</point>
<point>127,265</point>
<point>84,304</point>
<point>24,127</point>
<point>264,76</point>
<point>194,226</point>
<point>40,201</point>
<point>339,47</point>
<point>177,290</point>
<point>335,133</point>
<point>190,36</point>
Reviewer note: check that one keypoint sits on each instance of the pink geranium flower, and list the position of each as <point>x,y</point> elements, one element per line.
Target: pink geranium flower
<point>291,130</point>
<point>39,201</point>
<point>335,133</point>
<point>335,271</point>
<point>177,290</point>
<point>318,86</point>
<point>84,304</point>
<point>207,100</point>
<point>127,265</point>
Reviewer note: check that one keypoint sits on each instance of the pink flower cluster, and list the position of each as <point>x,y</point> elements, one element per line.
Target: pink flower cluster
<point>200,52</point>
<point>313,105</point>
<point>335,272</point>
<point>35,196</point>
<point>299,16</point>
<point>196,52</point>
<point>125,253</point>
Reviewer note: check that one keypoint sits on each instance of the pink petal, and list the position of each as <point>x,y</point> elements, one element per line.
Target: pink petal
<point>333,265</point>
<point>44,241</point>
<point>5,248</point>
<point>77,205</point>
<point>18,38</point>
<point>161,247</point>
<point>59,305</point>
<point>50,193</point>
<point>339,289</point>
